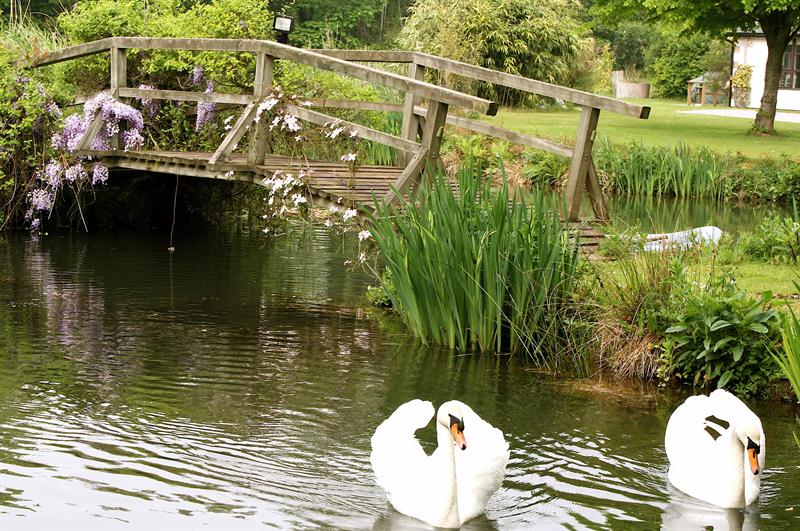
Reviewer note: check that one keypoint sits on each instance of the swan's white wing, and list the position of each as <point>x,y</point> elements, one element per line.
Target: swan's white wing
<point>701,445</point>
<point>398,460</point>
<point>480,468</point>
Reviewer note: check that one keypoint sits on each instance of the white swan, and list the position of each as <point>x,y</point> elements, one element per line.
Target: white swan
<point>716,449</point>
<point>450,486</point>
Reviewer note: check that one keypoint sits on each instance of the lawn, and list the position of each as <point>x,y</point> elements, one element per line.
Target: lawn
<point>666,126</point>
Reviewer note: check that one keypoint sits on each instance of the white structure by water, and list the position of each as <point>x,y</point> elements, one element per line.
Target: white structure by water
<point>751,49</point>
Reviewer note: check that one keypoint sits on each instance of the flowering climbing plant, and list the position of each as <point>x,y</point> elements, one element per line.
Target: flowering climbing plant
<point>70,169</point>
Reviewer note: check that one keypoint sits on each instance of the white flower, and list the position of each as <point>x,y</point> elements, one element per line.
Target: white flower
<point>265,230</point>
<point>291,122</point>
<point>362,257</point>
<point>353,133</point>
<point>364,235</point>
<point>299,199</point>
<point>350,157</point>
<point>328,223</point>
<point>335,132</point>
<point>334,210</point>
<point>349,213</point>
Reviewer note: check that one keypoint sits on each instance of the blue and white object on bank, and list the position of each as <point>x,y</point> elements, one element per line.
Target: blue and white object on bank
<point>683,239</point>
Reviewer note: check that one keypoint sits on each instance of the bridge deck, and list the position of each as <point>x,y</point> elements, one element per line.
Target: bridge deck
<point>330,180</point>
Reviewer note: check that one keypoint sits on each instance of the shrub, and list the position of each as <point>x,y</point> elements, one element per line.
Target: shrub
<point>672,60</point>
<point>472,271</point>
<point>538,40</point>
<point>774,239</point>
<point>722,338</point>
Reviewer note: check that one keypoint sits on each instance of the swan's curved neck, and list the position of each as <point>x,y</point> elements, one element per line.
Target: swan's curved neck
<point>446,444</point>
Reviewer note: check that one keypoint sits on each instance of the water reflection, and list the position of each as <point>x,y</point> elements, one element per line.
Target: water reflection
<point>236,385</point>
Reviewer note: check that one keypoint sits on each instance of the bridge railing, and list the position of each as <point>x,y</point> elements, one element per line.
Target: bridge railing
<point>582,172</point>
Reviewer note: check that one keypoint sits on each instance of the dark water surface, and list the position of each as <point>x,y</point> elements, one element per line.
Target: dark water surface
<point>235,384</point>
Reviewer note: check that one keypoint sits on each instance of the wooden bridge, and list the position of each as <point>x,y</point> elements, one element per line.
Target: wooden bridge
<point>425,112</point>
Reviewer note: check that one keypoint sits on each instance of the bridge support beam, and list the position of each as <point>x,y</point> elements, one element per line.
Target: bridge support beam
<point>582,173</point>
<point>259,133</point>
<point>118,80</point>
<point>411,122</point>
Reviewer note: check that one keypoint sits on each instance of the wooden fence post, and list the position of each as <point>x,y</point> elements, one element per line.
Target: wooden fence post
<point>118,80</point>
<point>433,130</point>
<point>581,160</point>
<point>410,127</point>
<point>259,133</point>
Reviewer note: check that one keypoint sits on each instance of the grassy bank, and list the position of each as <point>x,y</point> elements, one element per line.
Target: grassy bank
<point>666,126</point>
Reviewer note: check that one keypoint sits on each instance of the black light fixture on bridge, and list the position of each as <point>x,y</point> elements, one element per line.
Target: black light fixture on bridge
<point>282,26</point>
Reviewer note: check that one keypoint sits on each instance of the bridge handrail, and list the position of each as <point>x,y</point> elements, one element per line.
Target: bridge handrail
<point>533,86</point>
<point>279,51</point>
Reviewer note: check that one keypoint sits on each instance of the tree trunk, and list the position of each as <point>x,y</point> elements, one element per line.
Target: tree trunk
<point>778,31</point>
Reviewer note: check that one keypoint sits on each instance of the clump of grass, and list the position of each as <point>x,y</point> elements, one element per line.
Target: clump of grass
<point>680,171</point>
<point>475,272</point>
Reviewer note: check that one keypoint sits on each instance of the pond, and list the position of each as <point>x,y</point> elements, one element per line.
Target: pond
<point>236,383</point>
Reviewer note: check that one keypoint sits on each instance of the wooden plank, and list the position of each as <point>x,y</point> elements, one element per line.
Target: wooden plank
<point>409,176</point>
<point>182,95</point>
<point>74,52</point>
<point>579,97</point>
<point>299,55</point>
<point>363,132</point>
<point>235,134</point>
<point>595,193</point>
<point>411,123</point>
<point>359,105</point>
<point>433,131</point>
<point>119,70</point>
<point>91,133</point>
<point>479,126</point>
<point>581,160</point>
<point>262,86</point>
<point>369,56</point>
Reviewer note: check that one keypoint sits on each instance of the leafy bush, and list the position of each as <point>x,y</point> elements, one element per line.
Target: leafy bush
<point>674,59</point>
<point>474,272</point>
<point>775,239</point>
<point>543,169</point>
<point>538,40</point>
<point>723,338</point>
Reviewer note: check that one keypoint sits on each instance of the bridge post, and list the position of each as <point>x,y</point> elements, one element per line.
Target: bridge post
<point>581,168</point>
<point>118,80</point>
<point>259,133</point>
<point>433,130</point>
<point>411,122</point>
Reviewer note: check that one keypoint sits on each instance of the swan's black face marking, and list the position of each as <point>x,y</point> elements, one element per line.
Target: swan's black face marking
<point>713,426</point>
<point>754,446</point>
<point>457,429</point>
<point>455,421</point>
<point>753,450</point>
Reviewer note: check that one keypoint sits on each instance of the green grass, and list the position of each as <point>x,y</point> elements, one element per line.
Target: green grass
<point>665,127</point>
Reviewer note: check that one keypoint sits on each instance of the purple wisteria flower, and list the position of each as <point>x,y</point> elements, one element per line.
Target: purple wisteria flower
<point>149,105</point>
<point>41,199</point>
<point>53,175</point>
<point>198,75</point>
<point>99,174</point>
<point>206,111</point>
<point>75,173</point>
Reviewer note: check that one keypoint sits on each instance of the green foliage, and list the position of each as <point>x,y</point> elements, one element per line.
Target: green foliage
<point>722,338</point>
<point>674,59</point>
<point>543,169</point>
<point>775,239</point>
<point>532,39</point>
<point>680,171</point>
<point>474,272</point>
<point>629,43</point>
<point>28,116</point>
<point>335,24</point>
<point>591,70</point>
<point>789,358</point>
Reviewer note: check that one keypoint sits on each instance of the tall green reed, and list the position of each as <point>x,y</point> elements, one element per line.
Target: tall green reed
<point>474,271</point>
<point>680,171</point>
<point>789,359</point>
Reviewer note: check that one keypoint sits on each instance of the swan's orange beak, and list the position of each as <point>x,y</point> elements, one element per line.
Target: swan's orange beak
<point>753,458</point>
<point>458,436</point>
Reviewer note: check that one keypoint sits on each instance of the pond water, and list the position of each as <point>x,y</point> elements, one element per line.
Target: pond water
<point>236,383</point>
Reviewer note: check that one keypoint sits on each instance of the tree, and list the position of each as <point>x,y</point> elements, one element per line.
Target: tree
<point>779,20</point>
